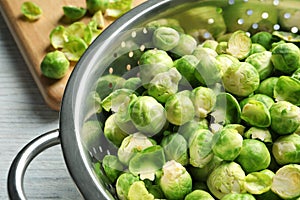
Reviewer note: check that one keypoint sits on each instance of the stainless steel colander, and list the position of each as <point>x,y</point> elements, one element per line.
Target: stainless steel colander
<point>125,39</point>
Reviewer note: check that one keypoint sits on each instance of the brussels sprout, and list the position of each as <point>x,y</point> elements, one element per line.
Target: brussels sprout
<point>286,58</point>
<point>57,37</point>
<point>226,178</point>
<point>226,61</point>
<point>256,113</point>
<point>131,145</point>
<point>201,51</point>
<point>198,195</point>
<point>221,48</point>
<point>262,134</point>
<point>286,149</point>
<point>55,65</point>
<point>239,45</point>
<point>74,13</point>
<point>208,71</point>
<point>263,38</point>
<point>31,11</point>
<point>227,144</point>
<point>165,38</point>
<point>164,85</point>
<point>116,8</point>
<point>185,46</point>
<point>268,195</point>
<point>238,127</point>
<point>175,148</point>
<point>287,36</point>
<point>267,86</point>
<point>254,156</point>
<point>112,132</point>
<point>204,100</point>
<point>107,84</point>
<point>296,74</point>
<point>114,100</point>
<point>257,48</point>
<point>165,22</point>
<point>200,148</point>
<point>156,191</point>
<point>186,65</point>
<point>262,63</point>
<point>201,173</point>
<point>74,48</point>
<point>123,184</point>
<point>98,18</point>
<point>286,182</point>
<point>153,62</point>
<point>95,5</point>
<point>287,89</point>
<point>212,44</point>
<point>227,109</point>
<point>175,182</point>
<point>139,191</point>
<point>258,182</point>
<point>180,108</point>
<point>112,167</point>
<point>148,116</point>
<point>241,79</point>
<point>238,197</point>
<point>188,129</point>
<point>146,162</point>
<point>266,100</point>
<point>285,117</point>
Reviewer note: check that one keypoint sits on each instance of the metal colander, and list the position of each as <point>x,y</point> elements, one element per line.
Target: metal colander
<point>117,50</point>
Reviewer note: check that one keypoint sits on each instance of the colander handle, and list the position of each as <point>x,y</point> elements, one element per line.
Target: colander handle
<point>23,159</point>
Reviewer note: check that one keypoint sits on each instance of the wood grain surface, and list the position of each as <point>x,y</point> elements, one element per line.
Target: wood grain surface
<point>32,38</point>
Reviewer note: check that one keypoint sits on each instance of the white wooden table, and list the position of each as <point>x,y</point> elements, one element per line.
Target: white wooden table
<point>24,116</point>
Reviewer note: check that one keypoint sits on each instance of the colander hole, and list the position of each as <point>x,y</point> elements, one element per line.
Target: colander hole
<point>206,35</point>
<point>265,15</point>
<point>123,44</point>
<point>130,54</point>
<point>249,12</point>
<point>211,21</point>
<point>128,67</point>
<point>255,26</point>
<point>100,149</point>
<point>108,152</point>
<point>115,55</point>
<point>110,70</point>
<point>276,2</point>
<point>287,15</point>
<point>294,29</point>
<point>94,149</point>
<point>231,2</point>
<point>142,47</point>
<point>240,21</point>
<point>145,31</point>
<point>276,27</point>
<point>133,34</point>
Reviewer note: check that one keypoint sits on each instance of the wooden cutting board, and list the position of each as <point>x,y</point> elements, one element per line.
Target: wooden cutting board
<point>33,40</point>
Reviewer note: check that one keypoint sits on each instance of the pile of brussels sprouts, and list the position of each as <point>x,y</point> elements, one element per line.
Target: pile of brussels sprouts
<point>205,119</point>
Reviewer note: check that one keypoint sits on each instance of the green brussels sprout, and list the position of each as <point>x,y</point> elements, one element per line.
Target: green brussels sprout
<point>112,167</point>
<point>179,108</point>
<point>287,36</point>
<point>131,145</point>
<point>204,100</point>
<point>226,61</point>
<point>165,22</point>
<point>256,113</point>
<point>238,197</point>
<point>238,127</point>
<point>212,44</point>
<point>188,129</point>
<point>116,8</point>
<point>208,70</point>
<point>95,5</point>
<point>254,156</point>
<point>267,86</point>
<point>239,45</point>
<point>201,51</point>
<point>227,144</point>
<point>175,148</point>
<point>156,191</point>
<point>186,65</point>
<point>296,74</point>
<point>263,38</point>
<point>287,89</point>
<point>107,84</point>
<point>164,85</point>
<point>268,195</point>
<point>198,195</point>
<point>55,65</point>
<point>133,83</point>
<point>200,148</point>
<point>74,13</point>
<point>148,115</point>
<point>185,46</point>
<point>201,173</point>
<point>115,99</point>
<point>31,11</point>
<point>285,117</point>
<point>257,48</point>
<point>123,184</point>
<point>221,48</point>
<point>258,182</point>
<point>286,149</point>
<point>262,63</point>
<point>57,37</point>
<point>286,182</point>
<point>165,38</point>
<point>266,100</point>
<point>146,162</point>
<point>227,109</point>
<point>153,62</point>
<point>74,48</point>
<point>139,191</point>
<point>175,182</point>
<point>241,79</point>
<point>286,58</point>
<point>226,178</point>
<point>98,20</point>
<point>262,134</point>
<point>112,131</point>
